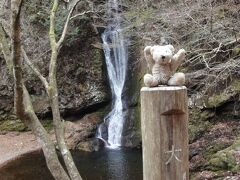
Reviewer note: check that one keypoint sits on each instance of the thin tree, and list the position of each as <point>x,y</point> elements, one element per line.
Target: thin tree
<point>22,102</point>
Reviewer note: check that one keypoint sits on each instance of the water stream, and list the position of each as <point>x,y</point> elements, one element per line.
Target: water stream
<point>115,50</point>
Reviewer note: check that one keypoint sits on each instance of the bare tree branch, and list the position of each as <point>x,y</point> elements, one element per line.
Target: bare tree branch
<point>64,32</point>
<point>81,14</point>
<point>5,49</point>
<point>34,69</point>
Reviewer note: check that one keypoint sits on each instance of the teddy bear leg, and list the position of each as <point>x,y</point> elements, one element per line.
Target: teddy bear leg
<point>178,79</point>
<point>150,81</point>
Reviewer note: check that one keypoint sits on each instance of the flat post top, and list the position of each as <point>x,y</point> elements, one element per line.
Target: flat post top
<point>168,100</point>
<point>164,88</point>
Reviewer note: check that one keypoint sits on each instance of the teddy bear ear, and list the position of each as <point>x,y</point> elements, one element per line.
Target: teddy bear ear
<point>152,49</point>
<point>171,48</point>
<point>148,50</point>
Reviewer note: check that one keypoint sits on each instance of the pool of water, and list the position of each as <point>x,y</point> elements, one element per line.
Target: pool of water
<point>107,164</point>
<point>123,164</point>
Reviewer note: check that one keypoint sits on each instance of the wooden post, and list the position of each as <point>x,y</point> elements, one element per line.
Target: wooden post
<point>164,123</point>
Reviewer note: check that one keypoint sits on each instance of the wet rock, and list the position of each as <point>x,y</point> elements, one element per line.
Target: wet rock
<point>90,145</point>
<point>131,135</point>
<point>82,131</point>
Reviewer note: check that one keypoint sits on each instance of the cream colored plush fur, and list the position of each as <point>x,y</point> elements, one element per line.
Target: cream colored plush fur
<point>163,63</point>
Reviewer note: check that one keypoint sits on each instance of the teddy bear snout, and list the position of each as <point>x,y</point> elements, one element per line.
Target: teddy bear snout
<point>163,57</point>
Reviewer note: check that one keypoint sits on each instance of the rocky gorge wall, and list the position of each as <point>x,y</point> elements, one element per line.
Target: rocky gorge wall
<point>84,92</point>
<point>81,73</point>
<point>206,30</point>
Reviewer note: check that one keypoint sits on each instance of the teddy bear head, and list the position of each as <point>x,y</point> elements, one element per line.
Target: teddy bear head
<point>162,54</point>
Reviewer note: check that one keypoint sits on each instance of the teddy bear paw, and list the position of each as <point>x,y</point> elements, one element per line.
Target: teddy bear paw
<point>182,53</point>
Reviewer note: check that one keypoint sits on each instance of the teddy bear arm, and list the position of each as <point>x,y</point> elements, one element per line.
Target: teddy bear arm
<point>150,63</point>
<point>177,59</point>
<point>148,57</point>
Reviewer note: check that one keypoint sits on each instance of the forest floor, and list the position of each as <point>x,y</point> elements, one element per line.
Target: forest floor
<point>13,144</point>
<point>220,136</point>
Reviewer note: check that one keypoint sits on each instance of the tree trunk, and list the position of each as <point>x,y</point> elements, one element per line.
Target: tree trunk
<point>53,95</point>
<point>22,103</point>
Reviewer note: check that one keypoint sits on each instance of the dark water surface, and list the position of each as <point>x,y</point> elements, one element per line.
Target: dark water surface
<point>107,164</point>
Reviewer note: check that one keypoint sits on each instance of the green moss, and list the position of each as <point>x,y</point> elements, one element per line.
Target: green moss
<point>198,123</point>
<point>12,125</point>
<point>196,130</point>
<point>213,148</point>
<point>219,99</point>
<point>236,51</point>
<point>236,85</point>
<point>216,100</point>
<point>225,159</point>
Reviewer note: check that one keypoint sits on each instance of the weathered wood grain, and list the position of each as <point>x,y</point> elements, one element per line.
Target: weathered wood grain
<point>164,123</point>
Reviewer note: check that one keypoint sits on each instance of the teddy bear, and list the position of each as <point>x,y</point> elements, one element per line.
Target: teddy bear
<point>163,64</point>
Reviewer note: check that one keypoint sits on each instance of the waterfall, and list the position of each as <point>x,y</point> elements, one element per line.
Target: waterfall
<point>115,51</point>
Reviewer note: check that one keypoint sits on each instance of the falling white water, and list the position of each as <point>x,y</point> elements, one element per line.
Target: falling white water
<point>115,51</point>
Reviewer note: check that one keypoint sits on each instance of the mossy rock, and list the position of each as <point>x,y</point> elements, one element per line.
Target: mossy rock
<point>227,159</point>
<point>219,99</point>
<point>198,123</point>
<point>12,125</point>
<point>214,148</point>
<point>9,125</point>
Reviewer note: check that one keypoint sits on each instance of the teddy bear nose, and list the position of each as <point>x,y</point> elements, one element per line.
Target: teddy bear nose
<point>163,57</point>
